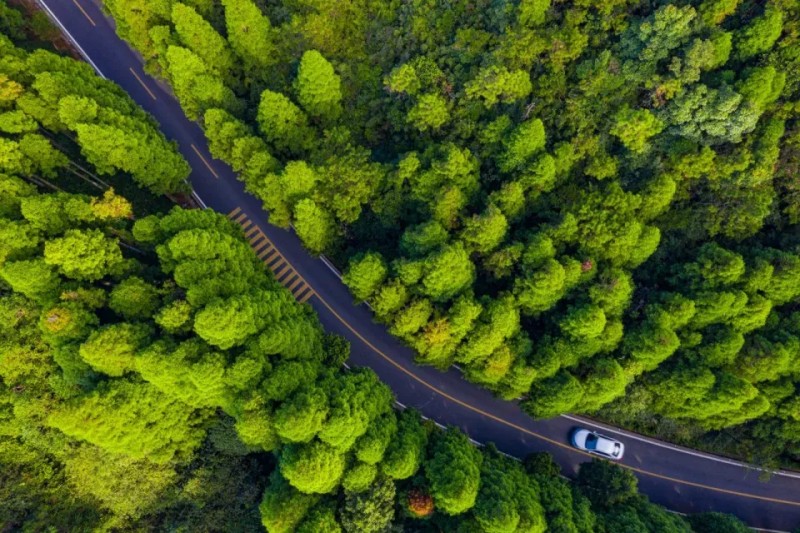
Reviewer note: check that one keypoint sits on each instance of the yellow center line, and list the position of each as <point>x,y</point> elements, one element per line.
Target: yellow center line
<point>85,14</point>
<point>527,431</point>
<point>141,81</point>
<point>203,159</point>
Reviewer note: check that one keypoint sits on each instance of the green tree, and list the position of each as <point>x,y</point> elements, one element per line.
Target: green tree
<point>716,523</point>
<point>113,348</point>
<point>315,226</point>
<point>318,87</point>
<point>370,511</point>
<point>429,113</point>
<point>251,36</point>
<point>365,274</point>
<point>313,468</point>
<point>712,116</point>
<point>532,12</point>
<point>553,396</point>
<point>201,38</point>
<point>454,472</point>
<point>634,127</point>
<point>606,484</point>
<point>525,141</point>
<point>133,298</point>
<point>302,416</point>
<point>760,35</point>
<point>283,124</point>
<point>152,161</point>
<point>197,86</point>
<point>321,519</point>
<point>283,507</point>
<point>84,255</point>
<point>406,451</point>
<point>447,272</point>
<point>485,232</point>
<point>132,419</point>
<point>498,84</point>
<point>33,278</point>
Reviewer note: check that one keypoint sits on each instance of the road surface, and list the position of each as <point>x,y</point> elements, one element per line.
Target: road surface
<point>680,479</point>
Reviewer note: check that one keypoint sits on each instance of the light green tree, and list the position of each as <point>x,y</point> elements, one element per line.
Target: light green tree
<point>454,472</point>
<point>315,226</point>
<point>197,34</point>
<point>283,124</point>
<point>313,468</point>
<point>251,36</point>
<point>84,255</point>
<point>318,87</point>
<point>429,113</point>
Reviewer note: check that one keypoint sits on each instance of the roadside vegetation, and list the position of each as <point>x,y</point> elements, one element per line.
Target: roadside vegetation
<point>154,376</point>
<point>590,205</point>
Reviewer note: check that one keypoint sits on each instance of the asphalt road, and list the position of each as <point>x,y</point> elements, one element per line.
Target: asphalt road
<point>682,480</point>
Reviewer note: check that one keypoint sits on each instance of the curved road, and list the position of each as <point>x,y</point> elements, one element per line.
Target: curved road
<point>681,479</point>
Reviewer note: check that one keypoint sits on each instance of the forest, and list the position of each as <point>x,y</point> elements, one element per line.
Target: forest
<point>587,205</point>
<point>155,376</point>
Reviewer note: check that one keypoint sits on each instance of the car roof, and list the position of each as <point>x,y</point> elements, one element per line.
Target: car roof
<point>605,445</point>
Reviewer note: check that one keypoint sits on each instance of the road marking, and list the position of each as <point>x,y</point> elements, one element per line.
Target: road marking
<point>508,423</point>
<point>72,39</point>
<point>89,60</point>
<point>85,14</point>
<point>203,159</point>
<point>283,271</point>
<point>308,295</point>
<point>279,272</point>
<point>142,83</point>
<point>627,434</point>
<point>533,433</point>
<point>300,290</point>
<point>297,281</point>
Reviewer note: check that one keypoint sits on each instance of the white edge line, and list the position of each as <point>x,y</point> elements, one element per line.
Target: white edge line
<point>70,37</point>
<point>97,69</point>
<point>197,198</point>
<point>330,265</point>
<point>679,449</point>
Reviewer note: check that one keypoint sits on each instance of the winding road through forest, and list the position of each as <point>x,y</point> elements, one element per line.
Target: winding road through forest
<point>680,479</point>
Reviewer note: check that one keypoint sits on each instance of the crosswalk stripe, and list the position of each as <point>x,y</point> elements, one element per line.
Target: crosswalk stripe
<point>266,252</point>
<point>284,278</point>
<point>272,258</point>
<point>258,246</point>
<point>274,262</point>
<point>282,270</point>
<point>295,283</point>
<point>305,298</point>
<point>301,290</point>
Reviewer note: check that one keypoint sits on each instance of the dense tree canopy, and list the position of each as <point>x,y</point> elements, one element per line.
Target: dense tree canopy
<point>154,376</point>
<point>516,187</point>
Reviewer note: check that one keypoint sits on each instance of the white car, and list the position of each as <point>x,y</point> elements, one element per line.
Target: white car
<point>593,442</point>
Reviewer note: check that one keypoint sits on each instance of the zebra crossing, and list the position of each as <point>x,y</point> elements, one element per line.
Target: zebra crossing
<point>269,255</point>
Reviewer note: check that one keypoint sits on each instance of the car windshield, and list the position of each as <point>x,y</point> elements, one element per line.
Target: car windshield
<point>591,442</point>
